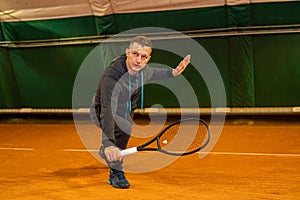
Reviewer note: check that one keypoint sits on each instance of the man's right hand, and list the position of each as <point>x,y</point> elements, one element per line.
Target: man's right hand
<point>112,154</point>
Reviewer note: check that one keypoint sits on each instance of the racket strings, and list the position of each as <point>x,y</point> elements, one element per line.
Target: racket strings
<point>184,137</point>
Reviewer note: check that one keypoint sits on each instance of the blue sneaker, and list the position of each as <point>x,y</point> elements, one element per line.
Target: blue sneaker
<point>117,179</point>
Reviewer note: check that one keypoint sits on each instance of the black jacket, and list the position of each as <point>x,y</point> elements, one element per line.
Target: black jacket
<point>117,94</point>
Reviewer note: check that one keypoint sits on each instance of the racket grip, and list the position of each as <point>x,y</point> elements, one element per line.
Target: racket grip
<point>129,151</point>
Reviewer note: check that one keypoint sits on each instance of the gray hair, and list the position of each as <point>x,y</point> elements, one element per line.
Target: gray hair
<point>142,40</point>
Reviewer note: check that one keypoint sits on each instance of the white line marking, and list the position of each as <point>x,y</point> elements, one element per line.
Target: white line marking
<point>252,154</point>
<point>80,150</point>
<point>212,153</point>
<point>16,149</point>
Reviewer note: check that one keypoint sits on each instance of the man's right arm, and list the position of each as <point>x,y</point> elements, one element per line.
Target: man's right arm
<point>108,96</point>
<point>109,103</point>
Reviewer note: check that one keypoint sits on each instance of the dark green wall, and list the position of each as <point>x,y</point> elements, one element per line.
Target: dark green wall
<point>257,69</point>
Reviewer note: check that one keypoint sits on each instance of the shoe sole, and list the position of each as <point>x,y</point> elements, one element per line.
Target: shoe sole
<point>110,183</point>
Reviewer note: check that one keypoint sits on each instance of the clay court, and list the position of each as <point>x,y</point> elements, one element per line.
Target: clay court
<point>253,159</point>
<point>244,63</point>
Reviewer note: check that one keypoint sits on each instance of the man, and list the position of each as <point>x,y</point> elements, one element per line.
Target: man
<point>116,97</point>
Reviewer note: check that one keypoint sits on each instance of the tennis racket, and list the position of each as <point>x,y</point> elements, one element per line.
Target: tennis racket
<point>180,138</point>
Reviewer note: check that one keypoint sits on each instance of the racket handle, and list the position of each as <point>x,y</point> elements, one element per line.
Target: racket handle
<point>129,151</point>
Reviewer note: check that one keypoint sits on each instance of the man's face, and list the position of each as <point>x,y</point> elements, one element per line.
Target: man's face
<point>137,57</point>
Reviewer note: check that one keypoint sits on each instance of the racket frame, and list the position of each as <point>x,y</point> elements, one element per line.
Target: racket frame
<point>143,147</point>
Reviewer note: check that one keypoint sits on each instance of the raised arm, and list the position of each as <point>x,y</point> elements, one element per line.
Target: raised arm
<point>181,66</point>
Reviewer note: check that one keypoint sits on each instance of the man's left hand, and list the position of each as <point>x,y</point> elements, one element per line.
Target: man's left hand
<point>182,65</point>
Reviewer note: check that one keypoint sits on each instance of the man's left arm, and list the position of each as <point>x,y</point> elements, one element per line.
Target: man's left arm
<point>181,66</point>
<point>164,73</point>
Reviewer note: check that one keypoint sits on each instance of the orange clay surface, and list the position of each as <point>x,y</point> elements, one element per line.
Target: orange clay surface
<point>249,161</point>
